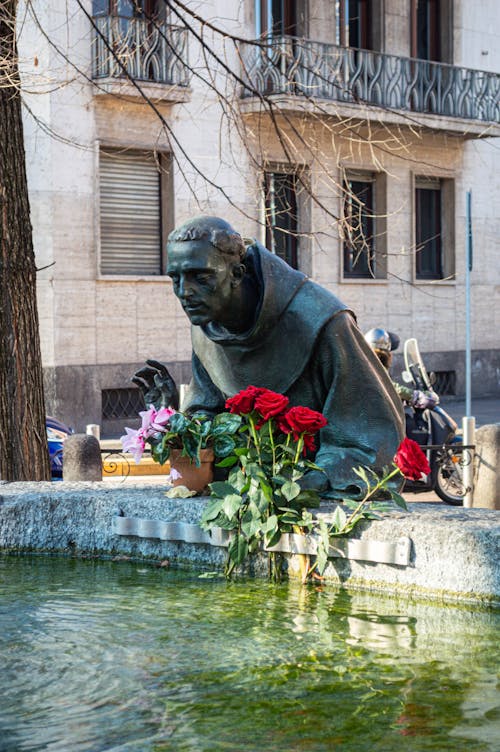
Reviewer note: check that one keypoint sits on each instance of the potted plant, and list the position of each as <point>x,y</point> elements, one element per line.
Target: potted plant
<point>191,443</point>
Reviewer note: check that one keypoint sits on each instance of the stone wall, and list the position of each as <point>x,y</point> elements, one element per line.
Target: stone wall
<point>453,553</point>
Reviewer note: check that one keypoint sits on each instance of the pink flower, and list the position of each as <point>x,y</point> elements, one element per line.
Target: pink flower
<point>161,418</point>
<point>134,442</point>
<point>153,421</point>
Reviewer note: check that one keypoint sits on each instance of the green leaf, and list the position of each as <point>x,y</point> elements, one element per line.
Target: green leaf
<point>291,518</point>
<point>211,511</point>
<point>222,488</point>
<point>271,524</point>
<point>290,490</point>
<point>239,480</point>
<point>371,516</point>
<point>178,423</point>
<point>227,462</point>
<point>260,499</point>
<point>231,504</point>
<point>224,446</point>
<point>238,549</point>
<point>226,423</point>
<point>361,473</point>
<point>339,519</point>
<point>251,521</point>
<point>398,500</point>
<point>350,503</point>
<point>160,453</point>
<point>209,575</point>
<point>321,557</point>
<point>308,497</point>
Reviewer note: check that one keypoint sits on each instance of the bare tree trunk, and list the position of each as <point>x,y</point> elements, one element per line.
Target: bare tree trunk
<point>23,442</point>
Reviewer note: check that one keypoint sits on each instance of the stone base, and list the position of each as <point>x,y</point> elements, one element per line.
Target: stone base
<point>454,552</point>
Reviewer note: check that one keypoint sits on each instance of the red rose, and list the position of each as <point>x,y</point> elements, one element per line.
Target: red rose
<point>301,420</point>
<point>243,403</point>
<point>411,460</point>
<point>269,404</point>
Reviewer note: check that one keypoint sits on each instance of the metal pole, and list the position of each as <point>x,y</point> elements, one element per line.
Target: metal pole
<point>468,269</point>
<point>469,439</point>
<point>468,422</point>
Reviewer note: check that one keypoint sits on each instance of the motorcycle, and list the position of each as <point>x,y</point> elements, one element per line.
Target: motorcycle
<point>436,433</point>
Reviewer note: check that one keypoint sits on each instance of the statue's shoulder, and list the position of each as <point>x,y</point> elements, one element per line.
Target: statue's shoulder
<point>317,304</point>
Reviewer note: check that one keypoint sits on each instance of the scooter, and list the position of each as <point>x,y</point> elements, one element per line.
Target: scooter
<point>436,433</point>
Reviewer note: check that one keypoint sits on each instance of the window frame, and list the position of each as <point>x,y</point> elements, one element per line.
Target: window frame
<point>447,228</point>
<point>294,174</point>
<point>378,226</point>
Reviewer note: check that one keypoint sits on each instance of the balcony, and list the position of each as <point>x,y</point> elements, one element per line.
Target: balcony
<point>315,70</point>
<point>153,53</point>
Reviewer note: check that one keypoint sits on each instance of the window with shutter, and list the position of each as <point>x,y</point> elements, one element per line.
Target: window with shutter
<point>130,212</point>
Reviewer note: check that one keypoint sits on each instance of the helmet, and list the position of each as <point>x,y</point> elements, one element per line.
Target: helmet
<point>380,339</point>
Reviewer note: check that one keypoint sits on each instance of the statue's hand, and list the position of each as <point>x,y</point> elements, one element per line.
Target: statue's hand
<point>314,480</point>
<point>157,385</point>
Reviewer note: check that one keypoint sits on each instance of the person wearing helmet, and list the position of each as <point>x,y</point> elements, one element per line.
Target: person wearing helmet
<point>383,343</point>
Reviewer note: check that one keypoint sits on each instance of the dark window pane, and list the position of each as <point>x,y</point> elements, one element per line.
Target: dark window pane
<point>428,233</point>
<point>276,17</point>
<point>359,24</point>
<point>359,252</point>
<point>281,215</point>
<point>427,33</point>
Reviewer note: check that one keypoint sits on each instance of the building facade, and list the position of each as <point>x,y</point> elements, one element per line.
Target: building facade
<point>344,135</point>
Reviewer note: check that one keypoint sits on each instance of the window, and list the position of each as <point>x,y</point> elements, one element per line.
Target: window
<point>434,228</point>
<point>432,30</point>
<point>359,24</point>
<point>281,208</point>
<point>135,211</point>
<point>364,226</point>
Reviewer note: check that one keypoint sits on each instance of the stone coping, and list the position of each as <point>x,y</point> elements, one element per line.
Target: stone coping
<point>450,553</point>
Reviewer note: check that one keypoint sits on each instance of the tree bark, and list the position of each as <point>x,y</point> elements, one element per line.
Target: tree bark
<point>23,441</point>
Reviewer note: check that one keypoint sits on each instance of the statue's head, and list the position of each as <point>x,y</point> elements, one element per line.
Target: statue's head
<point>205,258</point>
<point>213,230</point>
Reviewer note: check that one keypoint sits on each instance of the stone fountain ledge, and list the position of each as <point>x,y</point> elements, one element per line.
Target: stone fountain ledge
<point>452,554</point>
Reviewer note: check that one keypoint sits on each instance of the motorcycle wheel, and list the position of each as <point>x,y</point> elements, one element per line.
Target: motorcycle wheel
<point>449,482</point>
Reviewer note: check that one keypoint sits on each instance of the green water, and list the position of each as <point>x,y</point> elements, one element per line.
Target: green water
<point>121,656</point>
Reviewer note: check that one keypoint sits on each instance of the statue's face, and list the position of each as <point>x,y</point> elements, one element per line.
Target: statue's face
<point>202,279</point>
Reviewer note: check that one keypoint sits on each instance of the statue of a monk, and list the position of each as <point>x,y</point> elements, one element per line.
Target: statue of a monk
<point>255,320</point>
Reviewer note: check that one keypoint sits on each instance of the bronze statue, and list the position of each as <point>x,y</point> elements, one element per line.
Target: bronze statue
<point>255,320</point>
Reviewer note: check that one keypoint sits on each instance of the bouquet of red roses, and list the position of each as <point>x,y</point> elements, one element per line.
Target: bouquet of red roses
<point>262,497</point>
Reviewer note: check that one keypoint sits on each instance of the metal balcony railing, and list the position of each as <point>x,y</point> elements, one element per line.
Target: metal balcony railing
<point>288,65</point>
<point>153,52</point>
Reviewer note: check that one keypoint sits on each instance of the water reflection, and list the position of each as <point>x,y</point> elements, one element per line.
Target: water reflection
<point>102,656</point>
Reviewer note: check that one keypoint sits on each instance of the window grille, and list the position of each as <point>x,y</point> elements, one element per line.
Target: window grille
<point>121,403</point>
<point>445,382</point>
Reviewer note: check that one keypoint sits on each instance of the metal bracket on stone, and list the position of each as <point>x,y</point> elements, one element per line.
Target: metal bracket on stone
<point>379,552</point>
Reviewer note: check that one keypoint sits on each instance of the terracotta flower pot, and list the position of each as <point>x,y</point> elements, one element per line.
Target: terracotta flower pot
<point>194,478</point>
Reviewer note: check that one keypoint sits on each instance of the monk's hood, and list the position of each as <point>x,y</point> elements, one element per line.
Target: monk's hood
<point>274,353</point>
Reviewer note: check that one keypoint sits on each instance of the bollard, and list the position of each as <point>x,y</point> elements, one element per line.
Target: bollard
<point>468,438</point>
<point>93,429</point>
<point>487,485</point>
<point>82,458</point>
